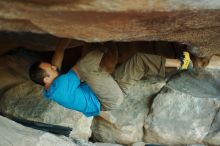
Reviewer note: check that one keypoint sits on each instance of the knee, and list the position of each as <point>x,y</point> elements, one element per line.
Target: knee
<point>115,104</point>
<point>138,57</point>
<point>138,54</point>
<point>118,102</point>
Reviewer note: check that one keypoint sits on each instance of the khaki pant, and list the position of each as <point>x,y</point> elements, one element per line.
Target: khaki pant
<point>111,91</point>
<point>137,67</point>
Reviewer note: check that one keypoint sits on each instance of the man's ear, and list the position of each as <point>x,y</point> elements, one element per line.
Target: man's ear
<point>46,79</point>
<point>54,67</point>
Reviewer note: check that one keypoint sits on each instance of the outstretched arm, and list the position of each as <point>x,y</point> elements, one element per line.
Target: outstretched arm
<point>57,58</point>
<point>75,69</point>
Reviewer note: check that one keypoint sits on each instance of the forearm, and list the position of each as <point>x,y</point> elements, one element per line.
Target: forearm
<point>59,52</point>
<point>172,63</point>
<point>57,58</point>
<point>75,69</point>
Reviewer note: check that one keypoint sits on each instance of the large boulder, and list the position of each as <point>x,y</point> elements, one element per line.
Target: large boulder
<point>186,111</point>
<point>191,22</point>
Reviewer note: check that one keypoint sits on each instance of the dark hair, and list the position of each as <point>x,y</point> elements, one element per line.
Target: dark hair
<point>37,74</point>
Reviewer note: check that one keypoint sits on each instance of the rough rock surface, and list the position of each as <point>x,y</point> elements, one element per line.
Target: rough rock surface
<point>13,133</point>
<point>125,126</point>
<point>191,22</point>
<point>106,144</point>
<point>186,111</point>
<point>33,41</point>
<point>22,98</point>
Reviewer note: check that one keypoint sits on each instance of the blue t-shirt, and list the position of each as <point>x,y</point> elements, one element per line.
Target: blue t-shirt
<point>68,91</point>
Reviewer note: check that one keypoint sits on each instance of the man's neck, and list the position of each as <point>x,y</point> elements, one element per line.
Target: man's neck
<point>47,86</point>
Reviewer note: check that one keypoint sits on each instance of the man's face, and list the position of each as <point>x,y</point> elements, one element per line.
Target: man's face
<point>51,71</point>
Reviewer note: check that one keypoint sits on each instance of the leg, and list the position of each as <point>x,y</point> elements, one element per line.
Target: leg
<point>173,63</point>
<point>183,63</point>
<point>110,58</point>
<point>102,83</point>
<point>138,66</point>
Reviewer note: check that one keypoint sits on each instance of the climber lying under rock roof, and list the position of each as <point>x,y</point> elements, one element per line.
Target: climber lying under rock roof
<point>95,83</point>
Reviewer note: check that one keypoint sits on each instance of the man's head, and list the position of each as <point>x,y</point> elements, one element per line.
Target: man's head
<point>43,73</point>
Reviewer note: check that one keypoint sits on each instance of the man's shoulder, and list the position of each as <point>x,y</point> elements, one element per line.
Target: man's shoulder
<point>57,85</point>
<point>70,75</point>
<point>63,75</point>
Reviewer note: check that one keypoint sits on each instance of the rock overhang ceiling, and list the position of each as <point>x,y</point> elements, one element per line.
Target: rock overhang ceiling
<point>192,22</point>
